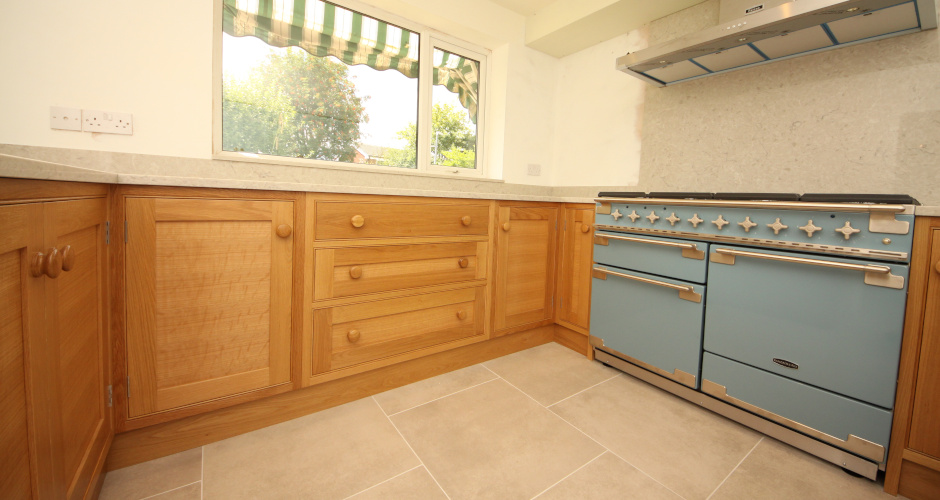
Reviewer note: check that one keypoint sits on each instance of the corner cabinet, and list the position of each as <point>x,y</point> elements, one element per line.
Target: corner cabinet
<point>208,303</point>
<point>913,468</point>
<point>525,265</point>
<point>55,416</point>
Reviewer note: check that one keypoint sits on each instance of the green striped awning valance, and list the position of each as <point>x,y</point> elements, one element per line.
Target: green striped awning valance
<point>324,29</point>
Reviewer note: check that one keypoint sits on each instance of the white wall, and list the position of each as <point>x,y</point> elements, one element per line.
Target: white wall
<point>156,63</point>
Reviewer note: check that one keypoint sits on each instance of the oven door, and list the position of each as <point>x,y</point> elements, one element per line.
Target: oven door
<point>832,323</point>
<point>648,320</point>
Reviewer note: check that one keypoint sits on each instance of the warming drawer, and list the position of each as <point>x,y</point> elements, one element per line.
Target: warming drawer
<point>858,427</point>
<point>624,316</point>
<point>675,258</point>
<point>830,322</point>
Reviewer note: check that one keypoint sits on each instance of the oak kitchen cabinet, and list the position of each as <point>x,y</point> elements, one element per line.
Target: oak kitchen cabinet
<point>208,290</point>
<point>914,461</point>
<point>525,265</point>
<point>576,252</point>
<point>55,416</point>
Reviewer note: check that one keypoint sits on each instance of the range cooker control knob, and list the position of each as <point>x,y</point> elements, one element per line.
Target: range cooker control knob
<point>673,219</point>
<point>634,216</point>
<point>777,226</point>
<point>847,230</point>
<point>810,228</point>
<point>616,214</point>
<point>720,222</point>
<point>747,224</point>
<point>653,217</point>
<point>696,221</point>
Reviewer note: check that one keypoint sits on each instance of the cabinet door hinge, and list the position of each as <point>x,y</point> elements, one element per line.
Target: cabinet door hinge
<point>110,397</point>
<point>565,227</point>
<point>561,300</point>
<point>125,231</point>
<point>128,386</point>
<point>107,232</point>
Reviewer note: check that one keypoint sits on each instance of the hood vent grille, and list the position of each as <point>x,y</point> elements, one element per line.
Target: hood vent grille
<point>789,30</point>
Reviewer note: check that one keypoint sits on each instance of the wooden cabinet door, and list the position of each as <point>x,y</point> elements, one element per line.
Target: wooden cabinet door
<point>208,287</point>
<point>525,264</point>
<point>925,431</point>
<point>574,269</point>
<point>25,457</point>
<point>76,335</point>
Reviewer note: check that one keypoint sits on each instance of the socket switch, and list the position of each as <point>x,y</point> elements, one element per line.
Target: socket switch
<point>65,118</point>
<point>107,122</point>
<point>535,169</point>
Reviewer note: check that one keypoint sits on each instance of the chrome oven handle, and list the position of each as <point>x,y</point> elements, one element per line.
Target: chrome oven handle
<point>874,275</point>
<point>689,250</point>
<point>686,292</point>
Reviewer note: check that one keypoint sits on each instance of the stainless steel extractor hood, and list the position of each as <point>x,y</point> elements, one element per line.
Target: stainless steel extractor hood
<point>752,33</point>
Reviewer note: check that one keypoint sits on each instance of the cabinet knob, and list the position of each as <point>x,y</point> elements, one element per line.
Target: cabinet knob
<point>463,262</point>
<point>357,220</point>
<point>461,315</point>
<point>355,272</point>
<point>585,228</point>
<point>353,336</point>
<point>283,230</point>
<point>465,220</point>
<point>505,226</point>
<point>37,264</point>
<point>68,258</point>
<point>52,266</point>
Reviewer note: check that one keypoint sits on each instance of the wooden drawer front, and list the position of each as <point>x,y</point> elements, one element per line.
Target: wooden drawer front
<point>342,272</point>
<point>364,332</point>
<point>339,220</point>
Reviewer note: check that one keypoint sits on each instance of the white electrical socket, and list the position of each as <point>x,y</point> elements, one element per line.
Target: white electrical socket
<point>107,122</point>
<point>65,118</point>
<point>535,169</point>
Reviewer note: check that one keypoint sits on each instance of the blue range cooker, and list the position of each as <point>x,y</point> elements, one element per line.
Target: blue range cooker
<point>789,308</point>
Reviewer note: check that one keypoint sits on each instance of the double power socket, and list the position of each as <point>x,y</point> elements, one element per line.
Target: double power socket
<point>87,120</point>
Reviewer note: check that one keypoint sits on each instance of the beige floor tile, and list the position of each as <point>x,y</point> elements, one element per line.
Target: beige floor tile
<point>190,492</point>
<point>549,372</point>
<point>492,441</point>
<point>331,454</point>
<point>688,449</point>
<point>775,470</point>
<point>415,484</point>
<point>409,396</point>
<point>609,477</point>
<point>153,477</point>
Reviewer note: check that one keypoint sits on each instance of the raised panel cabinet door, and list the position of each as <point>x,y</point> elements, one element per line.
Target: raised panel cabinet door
<point>208,286</point>
<point>574,280</point>
<point>25,456</point>
<point>77,336</point>
<point>525,265</point>
<point>925,431</point>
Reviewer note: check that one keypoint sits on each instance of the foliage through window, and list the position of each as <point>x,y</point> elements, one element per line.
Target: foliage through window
<point>313,80</point>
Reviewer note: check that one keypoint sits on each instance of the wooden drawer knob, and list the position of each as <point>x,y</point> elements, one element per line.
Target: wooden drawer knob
<point>283,230</point>
<point>461,315</point>
<point>463,262</point>
<point>357,220</point>
<point>353,336</point>
<point>465,220</point>
<point>68,258</point>
<point>355,272</point>
<point>505,226</point>
<point>52,266</point>
<point>585,228</point>
<point>37,264</point>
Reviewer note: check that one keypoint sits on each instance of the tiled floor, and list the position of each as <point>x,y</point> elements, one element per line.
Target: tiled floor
<point>542,423</point>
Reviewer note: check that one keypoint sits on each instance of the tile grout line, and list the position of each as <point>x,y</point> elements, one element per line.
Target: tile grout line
<point>735,468</point>
<point>167,491</point>
<point>586,434</point>
<point>570,474</point>
<point>440,398</point>
<point>385,481</point>
<point>582,390</point>
<point>410,448</point>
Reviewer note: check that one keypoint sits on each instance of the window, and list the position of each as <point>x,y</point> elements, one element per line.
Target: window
<point>333,85</point>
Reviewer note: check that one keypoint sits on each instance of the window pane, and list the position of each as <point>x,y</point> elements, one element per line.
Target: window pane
<point>284,101</point>
<point>454,113</point>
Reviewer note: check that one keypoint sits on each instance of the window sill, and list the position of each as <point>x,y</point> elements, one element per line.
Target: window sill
<point>298,162</point>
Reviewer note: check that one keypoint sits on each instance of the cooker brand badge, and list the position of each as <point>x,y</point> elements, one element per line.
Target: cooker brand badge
<point>788,364</point>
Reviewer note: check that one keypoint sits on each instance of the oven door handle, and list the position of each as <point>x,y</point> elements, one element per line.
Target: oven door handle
<point>689,250</point>
<point>874,275</point>
<point>686,292</point>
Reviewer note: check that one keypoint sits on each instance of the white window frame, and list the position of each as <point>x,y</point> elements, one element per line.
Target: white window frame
<point>429,40</point>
